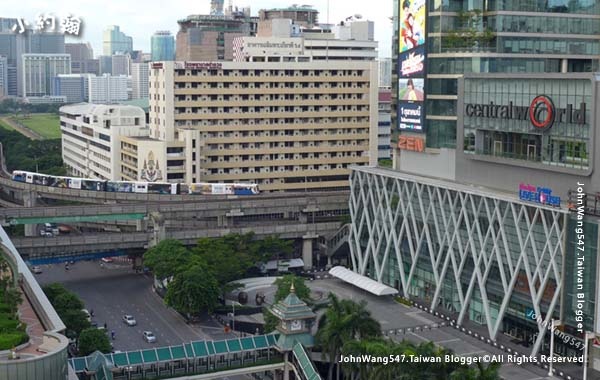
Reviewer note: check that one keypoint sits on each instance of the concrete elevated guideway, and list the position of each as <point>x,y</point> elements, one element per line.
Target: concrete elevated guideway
<point>40,247</point>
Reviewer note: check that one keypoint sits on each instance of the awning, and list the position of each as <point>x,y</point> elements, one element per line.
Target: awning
<point>361,281</point>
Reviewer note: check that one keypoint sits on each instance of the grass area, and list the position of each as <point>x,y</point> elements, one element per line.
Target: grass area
<point>46,125</point>
<point>3,125</point>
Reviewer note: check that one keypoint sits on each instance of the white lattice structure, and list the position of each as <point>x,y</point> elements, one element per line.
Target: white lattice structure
<point>470,245</point>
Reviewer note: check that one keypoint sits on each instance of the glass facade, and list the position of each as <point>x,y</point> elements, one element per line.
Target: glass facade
<point>564,144</point>
<point>163,46</point>
<point>536,37</point>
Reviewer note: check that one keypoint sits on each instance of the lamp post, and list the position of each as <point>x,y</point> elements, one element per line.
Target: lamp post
<point>587,336</point>
<point>553,325</point>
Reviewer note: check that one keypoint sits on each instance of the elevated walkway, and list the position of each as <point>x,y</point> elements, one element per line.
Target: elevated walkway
<point>362,282</point>
<point>244,355</point>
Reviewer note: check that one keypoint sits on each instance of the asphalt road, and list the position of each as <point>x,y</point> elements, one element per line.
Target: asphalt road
<point>114,290</point>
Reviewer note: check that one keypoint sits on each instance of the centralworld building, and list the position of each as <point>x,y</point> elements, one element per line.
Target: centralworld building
<point>490,214</point>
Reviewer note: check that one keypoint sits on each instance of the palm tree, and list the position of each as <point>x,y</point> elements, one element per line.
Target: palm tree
<point>343,321</point>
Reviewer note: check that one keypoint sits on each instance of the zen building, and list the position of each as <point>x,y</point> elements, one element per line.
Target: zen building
<point>478,221</point>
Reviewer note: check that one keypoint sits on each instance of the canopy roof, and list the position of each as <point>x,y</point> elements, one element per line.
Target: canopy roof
<point>361,281</point>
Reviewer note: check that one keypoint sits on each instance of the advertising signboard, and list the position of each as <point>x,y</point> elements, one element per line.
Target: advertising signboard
<point>412,56</point>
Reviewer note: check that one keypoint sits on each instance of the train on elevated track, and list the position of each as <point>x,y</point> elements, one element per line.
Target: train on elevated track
<point>90,184</point>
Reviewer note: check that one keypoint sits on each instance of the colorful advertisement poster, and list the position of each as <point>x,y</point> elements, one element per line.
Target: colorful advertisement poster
<point>411,89</point>
<point>412,63</point>
<point>410,116</point>
<point>412,24</point>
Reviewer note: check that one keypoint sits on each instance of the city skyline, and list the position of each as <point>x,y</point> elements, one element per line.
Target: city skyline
<point>141,22</point>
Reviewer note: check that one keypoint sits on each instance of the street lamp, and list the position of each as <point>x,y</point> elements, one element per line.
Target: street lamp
<point>553,325</point>
<point>587,336</point>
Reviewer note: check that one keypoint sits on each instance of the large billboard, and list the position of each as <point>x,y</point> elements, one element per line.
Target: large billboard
<point>412,54</point>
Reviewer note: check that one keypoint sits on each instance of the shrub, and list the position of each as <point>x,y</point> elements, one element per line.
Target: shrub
<point>10,340</point>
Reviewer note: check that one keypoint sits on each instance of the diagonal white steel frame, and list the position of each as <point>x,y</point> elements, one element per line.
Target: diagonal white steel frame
<point>462,233</point>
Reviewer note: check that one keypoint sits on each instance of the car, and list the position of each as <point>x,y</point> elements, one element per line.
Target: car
<point>149,337</point>
<point>129,320</point>
<point>88,316</point>
<point>46,234</point>
<point>107,260</point>
<point>36,269</point>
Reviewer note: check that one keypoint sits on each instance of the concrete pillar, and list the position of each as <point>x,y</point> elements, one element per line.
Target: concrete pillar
<point>286,367</point>
<point>30,200</point>
<point>221,221</point>
<point>307,250</point>
<point>564,65</point>
<point>160,231</point>
<point>141,225</point>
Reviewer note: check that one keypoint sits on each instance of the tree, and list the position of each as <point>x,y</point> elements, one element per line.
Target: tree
<point>344,320</point>
<point>284,285</point>
<point>54,290</point>
<point>93,339</point>
<point>68,306</point>
<point>66,302</point>
<point>75,321</point>
<point>167,258</point>
<point>194,290</point>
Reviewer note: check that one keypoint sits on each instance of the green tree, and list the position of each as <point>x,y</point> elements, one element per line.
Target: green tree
<point>344,320</point>
<point>66,302</point>
<point>12,298</point>
<point>68,306</point>
<point>479,372</point>
<point>194,290</point>
<point>283,290</point>
<point>91,340</point>
<point>54,290</point>
<point>284,284</point>
<point>167,258</point>
<point>74,320</point>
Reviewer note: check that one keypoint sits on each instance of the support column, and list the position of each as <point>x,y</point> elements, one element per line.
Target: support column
<point>141,225</point>
<point>30,200</point>
<point>286,367</point>
<point>160,231</point>
<point>307,250</point>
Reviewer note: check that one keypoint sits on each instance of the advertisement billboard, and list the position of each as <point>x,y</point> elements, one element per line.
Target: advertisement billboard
<point>412,24</point>
<point>412,71</point>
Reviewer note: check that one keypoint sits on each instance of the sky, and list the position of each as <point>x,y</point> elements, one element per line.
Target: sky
<point>141,18</point>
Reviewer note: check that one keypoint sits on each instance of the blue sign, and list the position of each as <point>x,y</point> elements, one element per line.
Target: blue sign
<point>541,195</point>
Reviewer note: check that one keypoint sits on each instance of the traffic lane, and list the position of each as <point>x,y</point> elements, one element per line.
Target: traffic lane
<point>112,291</point>
<point>465,345</point>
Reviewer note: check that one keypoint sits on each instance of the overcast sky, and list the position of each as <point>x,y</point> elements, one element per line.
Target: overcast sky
<point>141,18</point>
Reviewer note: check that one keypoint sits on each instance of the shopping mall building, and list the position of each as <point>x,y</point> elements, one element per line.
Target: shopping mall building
<point>492,210</point>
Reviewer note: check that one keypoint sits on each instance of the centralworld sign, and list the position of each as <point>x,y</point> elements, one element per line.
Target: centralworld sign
<point>541,113</point>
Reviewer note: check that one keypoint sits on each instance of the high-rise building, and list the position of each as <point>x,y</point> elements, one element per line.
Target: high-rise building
<point>75,87</point>
<point>385,72</point>
<point>88,66</point>
<point>495,183</point>
<point>108,89</point>
<point>114,41</point>
<point>79,51</point>
<point>14,45</point>
<point>210,38</point>
<point>216,7</point>
<point>120,64</point>
<point>163,46</point>
<point>3,76</point>
<point>39,70</point>
<point>139,78</point>
<point>105,64</point>
<point>91,138</point>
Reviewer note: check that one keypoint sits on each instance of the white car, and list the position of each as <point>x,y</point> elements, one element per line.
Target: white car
<point>88,316</point>
<point>149,337</point>
<point>129,320</point>
<point>36,269</point>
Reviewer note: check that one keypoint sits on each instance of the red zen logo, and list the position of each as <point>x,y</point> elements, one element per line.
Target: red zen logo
<point>539,105</point>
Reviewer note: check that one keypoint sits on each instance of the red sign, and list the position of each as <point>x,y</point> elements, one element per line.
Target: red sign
<point>415,144</point>
<point>158,65</point>
<point>204,65</point>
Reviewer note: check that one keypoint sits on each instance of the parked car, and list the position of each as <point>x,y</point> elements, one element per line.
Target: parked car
<point>88,316</point>
<point>36,269</point>
<point>129,320</point>
<point>149,337</point>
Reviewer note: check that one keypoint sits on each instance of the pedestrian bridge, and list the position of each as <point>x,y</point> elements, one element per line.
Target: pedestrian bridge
<point>247,355</point>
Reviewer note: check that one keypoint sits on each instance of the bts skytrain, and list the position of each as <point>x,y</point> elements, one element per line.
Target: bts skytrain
<point>135,187</point>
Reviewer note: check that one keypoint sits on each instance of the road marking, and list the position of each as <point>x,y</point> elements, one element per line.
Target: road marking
<point>447,341</point>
